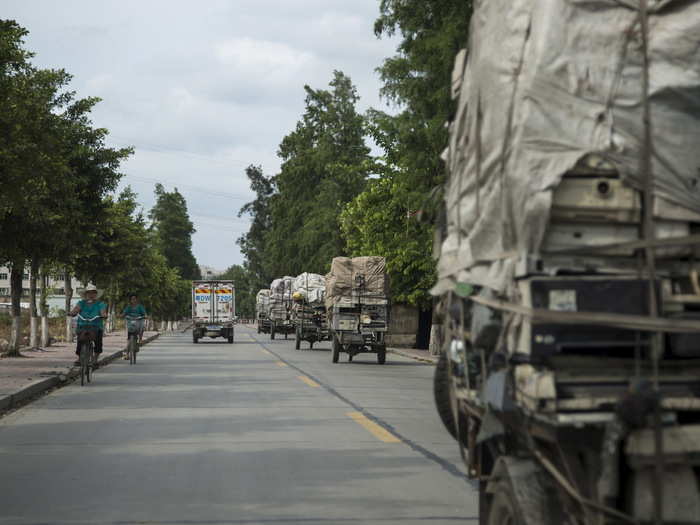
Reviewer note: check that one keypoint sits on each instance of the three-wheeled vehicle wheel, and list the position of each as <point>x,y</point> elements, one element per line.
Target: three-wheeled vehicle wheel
<point>381,355</point>
<point>336,349</point>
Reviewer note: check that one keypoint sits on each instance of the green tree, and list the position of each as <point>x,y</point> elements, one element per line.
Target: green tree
<point>417,80</point>
<point>172,231</point>
<point>253,244</point>
<point>246,290</point>
<point>325,163</point>
<point>54,165</point>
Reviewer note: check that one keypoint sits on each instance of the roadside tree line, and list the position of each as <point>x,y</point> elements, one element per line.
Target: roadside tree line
<point>331,196</point>
<point>59,210</point>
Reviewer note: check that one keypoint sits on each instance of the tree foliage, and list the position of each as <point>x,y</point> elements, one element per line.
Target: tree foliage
<point>172,231</point>
<point>417,80</point>
<point>325,163</point>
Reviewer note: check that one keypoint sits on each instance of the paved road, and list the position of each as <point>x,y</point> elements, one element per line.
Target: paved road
<point>254,432</point>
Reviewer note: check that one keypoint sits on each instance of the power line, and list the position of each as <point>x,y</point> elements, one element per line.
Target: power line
<point>191,188</point>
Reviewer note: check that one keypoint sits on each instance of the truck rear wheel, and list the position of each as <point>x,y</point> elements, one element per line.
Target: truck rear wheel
<point>336,349</point>
<point>441,392</point>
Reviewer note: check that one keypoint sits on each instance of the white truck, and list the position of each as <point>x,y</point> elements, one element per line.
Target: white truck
<point>213,309</point>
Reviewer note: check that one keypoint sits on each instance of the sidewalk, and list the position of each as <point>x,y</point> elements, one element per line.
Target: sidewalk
<point>419,355</point>
<point>39,370</point>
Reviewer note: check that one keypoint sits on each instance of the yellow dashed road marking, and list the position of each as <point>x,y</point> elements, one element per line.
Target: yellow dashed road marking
<point>309,381</point>
<point>380,433</point>
<point>280,363</point>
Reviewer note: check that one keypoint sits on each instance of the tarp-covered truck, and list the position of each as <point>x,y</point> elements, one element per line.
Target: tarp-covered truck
<point>213,309</point>
<point>262,307</point>
<point>568,262</point>
<point>357,305</point>
<point>309,309</point>
<point>279,307</point>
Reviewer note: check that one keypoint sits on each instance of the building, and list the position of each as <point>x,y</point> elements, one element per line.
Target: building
<point>209,273</point>
<point>56,286</point>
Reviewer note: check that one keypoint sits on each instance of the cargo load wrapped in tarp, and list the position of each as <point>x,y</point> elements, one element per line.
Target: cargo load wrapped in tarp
<point>311,286</point>
<point>356,279</point>
<point>262,300</point>
<point>546,85</point>
<point>280,298</point>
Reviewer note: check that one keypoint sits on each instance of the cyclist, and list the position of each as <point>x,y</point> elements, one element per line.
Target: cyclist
<point>135,309</point>
<point>90,307</point>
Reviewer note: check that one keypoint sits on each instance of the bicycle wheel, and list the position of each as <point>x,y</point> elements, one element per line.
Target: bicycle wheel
<point>91,360</point>
<point>82,364</point>
<point>132,349</point>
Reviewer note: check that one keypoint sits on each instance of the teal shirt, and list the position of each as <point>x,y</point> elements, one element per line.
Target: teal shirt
<point>89,311</point>
<point>135,311</point>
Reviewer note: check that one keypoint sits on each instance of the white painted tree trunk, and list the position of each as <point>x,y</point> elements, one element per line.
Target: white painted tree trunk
<point>45,335</point>
<point>34,332</point>
<point>170,326</point>
<point>435,339</point>
<point>34,316</point>
<point>68,288</point>
<point>44,313</point>
<point>16,333</point>
<point>16,274</point>
<point>162,326</point>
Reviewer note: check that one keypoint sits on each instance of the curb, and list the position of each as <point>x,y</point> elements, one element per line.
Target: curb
<point>411,356</point>
<point>41,386</point>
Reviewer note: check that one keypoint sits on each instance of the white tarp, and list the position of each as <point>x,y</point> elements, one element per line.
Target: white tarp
<point>309,286</point>
<point>546,83</point>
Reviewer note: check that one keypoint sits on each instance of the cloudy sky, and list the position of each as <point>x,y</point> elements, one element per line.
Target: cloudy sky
<point>202,89</point>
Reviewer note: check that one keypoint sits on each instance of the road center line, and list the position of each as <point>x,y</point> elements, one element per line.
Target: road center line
<point>380,433</point>
<point>309,381</point>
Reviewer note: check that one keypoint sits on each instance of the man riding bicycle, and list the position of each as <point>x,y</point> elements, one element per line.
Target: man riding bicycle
<point>135,310</point>
<point>92,311</point>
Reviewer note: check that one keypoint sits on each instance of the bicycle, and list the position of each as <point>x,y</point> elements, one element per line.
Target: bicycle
<point>88,358</point>
<point>133,329</point>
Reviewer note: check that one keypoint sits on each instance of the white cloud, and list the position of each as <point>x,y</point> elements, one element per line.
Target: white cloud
<point>203,89</point>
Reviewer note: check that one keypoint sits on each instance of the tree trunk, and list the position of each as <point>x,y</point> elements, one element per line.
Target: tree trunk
<point>33,313</point>
<point>68,289</point>
<point>162,326</point>
<point>436,333</point>
<point>16,274</point>
<point>44,311</point>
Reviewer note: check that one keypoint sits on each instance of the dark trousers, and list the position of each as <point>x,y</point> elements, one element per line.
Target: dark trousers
<point>98,343</point>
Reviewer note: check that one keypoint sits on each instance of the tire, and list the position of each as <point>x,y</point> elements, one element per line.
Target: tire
<point>381,355</point>
<point>441,393</point>
<point>503,509</point>
<point>272,332</point>
<point>336,349</point>
<point>230,339</point>
<point>132,350</point>
<point>297,341</point>
<point>195,339</point>
<point>82,366</point>
<point>311,345</point>
<point>259,329</point>
<point>286,334</point>
<point>350,356</point>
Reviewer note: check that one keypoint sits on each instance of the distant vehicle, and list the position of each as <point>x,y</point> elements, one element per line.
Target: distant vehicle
<point>213,309</point>
<point>262,305</point>
<point>357,305</point>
